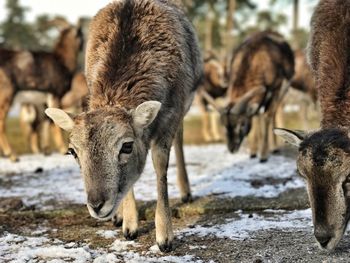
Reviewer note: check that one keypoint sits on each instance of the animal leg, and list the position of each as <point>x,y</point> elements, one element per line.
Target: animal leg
<point>265,125</point>
<point>273,145</point>
<point>45,136</point>
<point>182,177</point>
<point>164,230</point>
<point>253,137</point>
<point>206,127</point>
<point>279,122</point>
<point>215,127</point>
<point>205,119</point>
<point>118,217</point>
<point>28,116</point>
<point>6,97</point>
<point>130,216</point>
<point>56,131</point>
<point>34,142</point>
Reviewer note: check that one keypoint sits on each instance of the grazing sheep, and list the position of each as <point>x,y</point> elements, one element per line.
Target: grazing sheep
<point>215,85</point>
<point>259,67</point>
<point>143,67</point>
<point>323,159</point>
<point>49,72</point>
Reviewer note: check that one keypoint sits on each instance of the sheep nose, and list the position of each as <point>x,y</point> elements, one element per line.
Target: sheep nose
<point>323,239</point>
<point>96,204</point>
<point>97,208</point>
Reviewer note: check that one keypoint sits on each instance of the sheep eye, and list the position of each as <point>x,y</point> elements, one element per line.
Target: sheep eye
<point>127,147</point>
<point>72,152</point>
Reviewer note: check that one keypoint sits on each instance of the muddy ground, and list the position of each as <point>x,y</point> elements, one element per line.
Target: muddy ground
<point>275,229</point>
<point>74,224</point>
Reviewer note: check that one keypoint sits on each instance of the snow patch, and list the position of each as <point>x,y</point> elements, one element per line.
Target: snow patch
<point>212,170</point>
<point>122,245</point>
<point>107,233</point>
<point>14,248</point>
<point>247,224</point>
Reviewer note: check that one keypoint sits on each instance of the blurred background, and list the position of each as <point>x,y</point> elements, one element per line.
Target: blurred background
<point>221,26</point>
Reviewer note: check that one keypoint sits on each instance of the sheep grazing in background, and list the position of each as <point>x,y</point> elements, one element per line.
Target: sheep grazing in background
<point>323,159</point>
<point>259,68</point>
<point>34,123</point>
<point>215,85</point>
<point>49,72</point>
<point>143,67</point>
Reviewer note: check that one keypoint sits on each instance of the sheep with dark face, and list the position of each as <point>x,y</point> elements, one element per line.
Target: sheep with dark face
<point>324,155</point>
<point>259,67</point>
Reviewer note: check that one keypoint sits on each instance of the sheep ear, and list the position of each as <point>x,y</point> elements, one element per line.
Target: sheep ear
<point>60,118</point>
<point>293,137</point>
<point>145,113</point>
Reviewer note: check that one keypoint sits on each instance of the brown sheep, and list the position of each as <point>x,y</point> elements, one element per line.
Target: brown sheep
<point>50,72</point>
<point>323,159</point>
<point>143,67</point>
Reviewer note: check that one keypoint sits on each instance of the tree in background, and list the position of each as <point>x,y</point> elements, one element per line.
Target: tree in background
<point>270,21</point>
<point>15,32</point>
<point>215,20</point>
<point>299,36</point>
<point>42,34</point>
<point>45,32</point>
<point>265,20</point>
<point>295,4</point>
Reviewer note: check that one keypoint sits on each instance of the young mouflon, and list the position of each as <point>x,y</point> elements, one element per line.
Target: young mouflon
<point>324,155</point>
<point>260,71</point>
<point>143,67</point>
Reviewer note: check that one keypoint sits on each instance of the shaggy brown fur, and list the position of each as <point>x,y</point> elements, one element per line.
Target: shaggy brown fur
<point>323,158</point>
<point>330,61</point>
<point>39,71</point>
<point>143,67</point>
<point>264,59</point>
<point>120,88</point>
<point>260,63</point>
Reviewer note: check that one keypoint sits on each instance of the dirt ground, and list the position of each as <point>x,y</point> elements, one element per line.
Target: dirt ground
<point>74,224</point>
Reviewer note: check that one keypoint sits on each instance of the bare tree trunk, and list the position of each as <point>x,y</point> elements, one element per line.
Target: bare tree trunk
<point>208,44</point>
<point>229,40</point>
<point>295,15</point>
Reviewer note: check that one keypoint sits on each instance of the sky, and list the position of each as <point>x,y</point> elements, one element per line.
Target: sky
<point>73,9</point>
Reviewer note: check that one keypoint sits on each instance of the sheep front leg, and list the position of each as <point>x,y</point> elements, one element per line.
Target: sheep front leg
<point>253,137</point>
<point>164,231</point>
<point>118,217</point>
<point>204,112</point>
<point>130,216</point>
